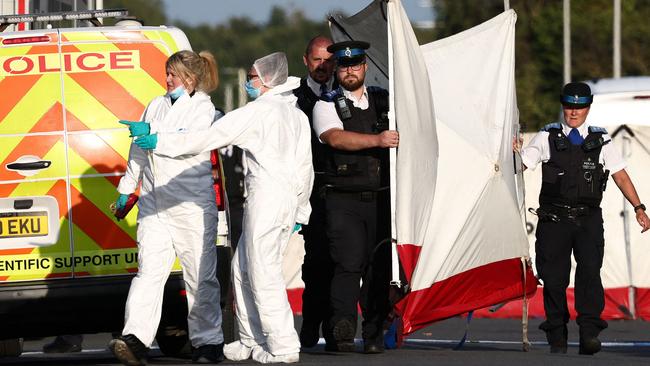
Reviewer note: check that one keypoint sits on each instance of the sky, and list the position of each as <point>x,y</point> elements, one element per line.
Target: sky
<point>219,11</point>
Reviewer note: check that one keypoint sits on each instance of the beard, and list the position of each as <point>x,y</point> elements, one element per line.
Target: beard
<point>352,82</point>
<point>320,75</point>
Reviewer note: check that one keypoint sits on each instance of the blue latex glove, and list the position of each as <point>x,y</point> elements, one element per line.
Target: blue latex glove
<point>121,201</point>
<point>147,142</point>
<point>137,128</point>
<point>297,227</point>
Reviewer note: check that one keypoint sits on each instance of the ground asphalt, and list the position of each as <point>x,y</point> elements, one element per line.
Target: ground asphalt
<point>489,342</point>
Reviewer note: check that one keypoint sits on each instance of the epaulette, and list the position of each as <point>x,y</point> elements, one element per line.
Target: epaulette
<point>596,129</point>
<point>551,126</point>
<point>331,95</point>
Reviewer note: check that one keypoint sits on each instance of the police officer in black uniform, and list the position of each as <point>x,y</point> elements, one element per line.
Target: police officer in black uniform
<point>576,162</point>
<point>357,201</point>
<point>317,266</point>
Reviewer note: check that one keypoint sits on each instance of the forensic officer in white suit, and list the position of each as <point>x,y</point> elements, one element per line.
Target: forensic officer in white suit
<point>177,216</point>
<point>276,139</point>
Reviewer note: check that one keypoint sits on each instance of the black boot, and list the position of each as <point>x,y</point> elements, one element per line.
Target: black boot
<point>63,344</point>
<point>557,339</point>
<point>309,334</point>
<point>589,342</point>
<point>129,350</point>
<point>343,337</point>
<point>209,353</point>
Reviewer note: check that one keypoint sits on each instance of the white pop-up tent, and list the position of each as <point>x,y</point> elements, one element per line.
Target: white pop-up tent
<point>470,251</point>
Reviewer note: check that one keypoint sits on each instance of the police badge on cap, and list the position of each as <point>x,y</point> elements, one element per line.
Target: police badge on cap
<point>576,95</point>
<point>349,53</point>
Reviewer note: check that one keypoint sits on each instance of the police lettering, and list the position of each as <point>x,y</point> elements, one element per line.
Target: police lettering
<point>69,62</point>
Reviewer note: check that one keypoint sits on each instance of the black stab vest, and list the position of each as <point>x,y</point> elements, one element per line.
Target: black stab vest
<point>363,170</point>
<point>573,175</point>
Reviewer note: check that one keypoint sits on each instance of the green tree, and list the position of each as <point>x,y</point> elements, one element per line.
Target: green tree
<point>239,42</point>
<point>151,12</point>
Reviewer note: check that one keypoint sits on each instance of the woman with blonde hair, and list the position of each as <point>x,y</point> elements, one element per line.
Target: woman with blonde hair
<point>177,216</point>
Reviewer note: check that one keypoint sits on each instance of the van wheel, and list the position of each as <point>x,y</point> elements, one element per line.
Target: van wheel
<point>11,347</point>
<point>174,342</point>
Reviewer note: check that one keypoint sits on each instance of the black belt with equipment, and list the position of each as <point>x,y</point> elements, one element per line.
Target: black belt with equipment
<point>365,196</point>
<point>558,212</point>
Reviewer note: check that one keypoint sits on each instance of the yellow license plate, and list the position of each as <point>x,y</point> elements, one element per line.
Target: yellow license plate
<point>23,224</point>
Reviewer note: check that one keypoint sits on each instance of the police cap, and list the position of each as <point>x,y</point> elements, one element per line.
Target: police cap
<point>349,53</point>
<point>576,95</point>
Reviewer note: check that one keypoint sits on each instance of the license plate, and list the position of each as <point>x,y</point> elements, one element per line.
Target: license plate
<point>23,224</point>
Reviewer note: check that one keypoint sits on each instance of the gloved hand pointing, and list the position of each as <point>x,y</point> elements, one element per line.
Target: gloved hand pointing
<point>296,227</point>
<point>147,142</point>
<point>137,128</point>
<point>121,201</point>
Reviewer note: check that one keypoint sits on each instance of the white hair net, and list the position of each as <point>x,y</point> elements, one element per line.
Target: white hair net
<point>273,69</point>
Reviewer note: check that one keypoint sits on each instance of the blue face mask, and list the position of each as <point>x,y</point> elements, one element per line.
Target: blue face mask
<point>176,93</point>
<point>252,92</point>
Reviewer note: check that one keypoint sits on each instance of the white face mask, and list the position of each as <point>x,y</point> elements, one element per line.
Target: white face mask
<point>177,93</point>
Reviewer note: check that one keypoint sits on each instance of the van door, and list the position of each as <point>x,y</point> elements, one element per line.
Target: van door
<point>113,75</point>
<point>34,226</point>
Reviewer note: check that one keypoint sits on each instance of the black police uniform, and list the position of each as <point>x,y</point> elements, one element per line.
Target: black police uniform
<point>571,220</point>
<point>317,265</point>
<point>358,218</point>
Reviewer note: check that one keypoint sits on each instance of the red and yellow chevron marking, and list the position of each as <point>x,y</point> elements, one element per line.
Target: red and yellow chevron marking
<point>96,96</point>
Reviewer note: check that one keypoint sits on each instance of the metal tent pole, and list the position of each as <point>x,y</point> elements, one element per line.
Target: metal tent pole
<point>567,40</point>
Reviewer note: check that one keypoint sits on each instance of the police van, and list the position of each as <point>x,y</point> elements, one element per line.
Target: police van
<point>66,263</point>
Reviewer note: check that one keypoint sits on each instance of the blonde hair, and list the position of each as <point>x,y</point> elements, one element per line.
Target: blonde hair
<point>200,68</point>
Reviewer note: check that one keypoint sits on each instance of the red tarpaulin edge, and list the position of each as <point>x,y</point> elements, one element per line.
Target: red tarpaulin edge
<point>476,288</point>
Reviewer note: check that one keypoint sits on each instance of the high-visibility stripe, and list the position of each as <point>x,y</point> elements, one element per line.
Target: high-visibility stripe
<point>152,61</point>
<point>94,222</point>
<point>139,84</point>
<point>168,43</point>
<point>84,36</point>
<point>12,148</point>
<point>31,105</point>
<point>6,189</point>
<point>59,192</point>
<point>110,94</point>
<point>19,86</point>
<point>87,108</point>
<point>15,251</point>
<point>92,153</point>
<point>115,181</point>
<point>73,123</point>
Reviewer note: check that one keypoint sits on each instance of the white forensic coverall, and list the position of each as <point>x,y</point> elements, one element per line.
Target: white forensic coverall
<point>275,137</point>
<point>177,217</point>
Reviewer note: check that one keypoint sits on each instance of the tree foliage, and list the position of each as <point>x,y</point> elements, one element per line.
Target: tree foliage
<point>151,12</point>
<point>539,44</point>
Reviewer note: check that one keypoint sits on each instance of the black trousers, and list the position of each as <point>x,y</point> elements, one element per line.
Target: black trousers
<point>555,242</point>
<point>317,268</point>
<point>356,224</point>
